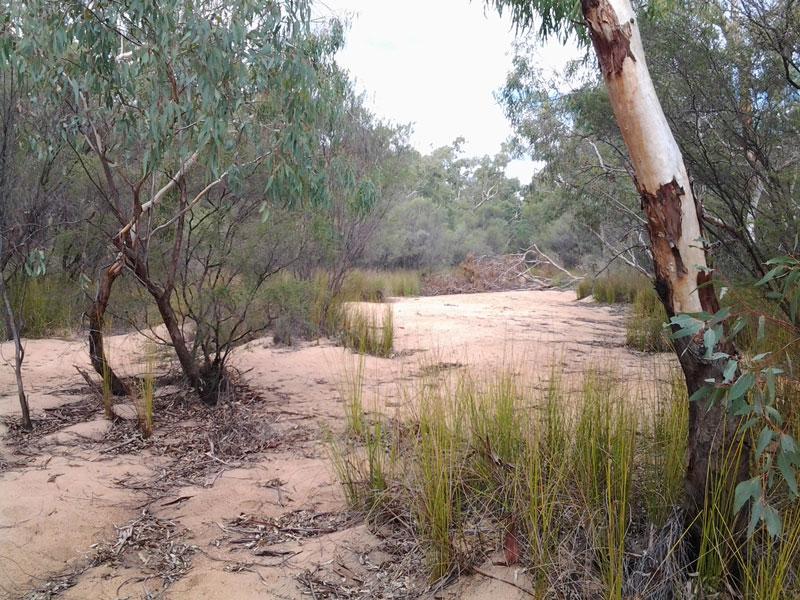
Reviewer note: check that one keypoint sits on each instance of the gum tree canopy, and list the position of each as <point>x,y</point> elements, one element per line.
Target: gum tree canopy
<point>163,103</point>
<point>674,216</point>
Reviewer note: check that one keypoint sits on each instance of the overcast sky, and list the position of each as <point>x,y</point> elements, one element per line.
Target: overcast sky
<point>435,64</point>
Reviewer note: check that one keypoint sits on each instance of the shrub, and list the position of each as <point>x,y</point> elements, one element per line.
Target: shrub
<point>290,301</point>
<point>49,305</point>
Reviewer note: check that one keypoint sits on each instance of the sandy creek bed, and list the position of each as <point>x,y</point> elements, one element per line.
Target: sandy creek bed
<point>70,494</point>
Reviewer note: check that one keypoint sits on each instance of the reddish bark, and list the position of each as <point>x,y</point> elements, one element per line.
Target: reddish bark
<point>96,315</point>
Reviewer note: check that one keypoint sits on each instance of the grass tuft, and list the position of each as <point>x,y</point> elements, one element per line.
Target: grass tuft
<point>377,286</point>
<point>147,388</point>
<point>644,329</point>
<point>614,288</point>
<point>364,331</point>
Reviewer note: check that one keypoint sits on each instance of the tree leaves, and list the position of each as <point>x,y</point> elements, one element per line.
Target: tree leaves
<point>750,387</point>
<point>746,491</point>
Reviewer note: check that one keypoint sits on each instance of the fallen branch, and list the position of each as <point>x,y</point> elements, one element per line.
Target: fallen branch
<point>553,263</point>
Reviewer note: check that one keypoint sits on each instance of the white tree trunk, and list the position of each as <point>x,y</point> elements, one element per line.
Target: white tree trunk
<point>661,177</point>
<point>674,222</point>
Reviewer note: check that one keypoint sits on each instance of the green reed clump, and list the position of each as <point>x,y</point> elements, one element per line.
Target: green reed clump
<point>581,474</point>
<point>584,288</point>
<point>367,332</point>
<point>613,288</point>
<point>644,328</point>
<point>147,389</point>
<point>376,286</point>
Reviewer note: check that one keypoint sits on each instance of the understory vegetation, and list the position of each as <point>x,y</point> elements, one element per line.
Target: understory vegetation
<point>579,483</point>
<point>645,325</point>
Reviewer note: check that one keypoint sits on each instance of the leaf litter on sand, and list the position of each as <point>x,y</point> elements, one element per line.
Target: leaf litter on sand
<point>153,545</point>
<point>52,420</point>
<point>255,532</point>
<point>200,443</point>
<point>193,445</point>
<point>392,570</point>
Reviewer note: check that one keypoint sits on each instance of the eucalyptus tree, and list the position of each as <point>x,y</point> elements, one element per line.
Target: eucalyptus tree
<point>31,191</point>
<point>732,111</point>
<point>9,168</point>
<point>582,205</point>
<point>673,214</point>
<point>362,164</point>
<point>166,103</point>
<point>454,206</point>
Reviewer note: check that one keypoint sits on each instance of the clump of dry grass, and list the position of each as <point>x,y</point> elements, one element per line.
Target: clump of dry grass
<point>645,327</point>
<point>613,288</point>
<point>376,286</point>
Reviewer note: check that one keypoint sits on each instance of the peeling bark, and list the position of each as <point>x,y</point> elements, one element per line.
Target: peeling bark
<point>612,41</point>
<point>682,279</point>
<point>96,315</point>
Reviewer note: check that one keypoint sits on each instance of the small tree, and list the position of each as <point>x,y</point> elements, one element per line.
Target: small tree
<point>166,103</point>
<point>28,200</point>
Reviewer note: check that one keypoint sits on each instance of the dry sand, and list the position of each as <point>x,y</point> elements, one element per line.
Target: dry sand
<point>65,502</point>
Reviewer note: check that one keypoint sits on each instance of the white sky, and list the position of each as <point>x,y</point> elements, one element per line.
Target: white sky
<point>436,64</point>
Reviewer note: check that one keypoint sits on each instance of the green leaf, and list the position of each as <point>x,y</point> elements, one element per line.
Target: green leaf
<point>771,387</point>
<point>709,341</point>
<point>764,438</point>
<point>730,371</point>
<point>788,444</point>
<point>745,491</point>
<point>773,521</point>
<point>687,325</point>
<point>700,393</point>
<point>755,517</point>
<point>761,328</point>
<point>741,387</point>
<point>781,260</point>
<point>787,471</point>
<point>738,325</point>
<point>771,274</point>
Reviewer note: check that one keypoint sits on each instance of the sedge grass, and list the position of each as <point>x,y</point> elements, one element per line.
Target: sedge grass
<point>366,332</point>
<point>147,388</point>
<point>585,476</point>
